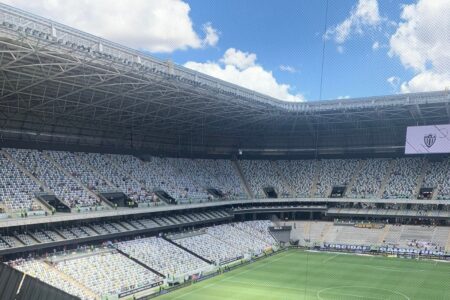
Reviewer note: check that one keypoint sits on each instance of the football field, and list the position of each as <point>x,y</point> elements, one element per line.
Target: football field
<point>296,274</point>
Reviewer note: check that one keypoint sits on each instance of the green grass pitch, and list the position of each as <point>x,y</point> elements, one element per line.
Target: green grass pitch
<point>295,275</point>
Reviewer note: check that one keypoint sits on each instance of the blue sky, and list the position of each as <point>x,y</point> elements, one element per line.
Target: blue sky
<point>372,47</point>
<point>290,34</point>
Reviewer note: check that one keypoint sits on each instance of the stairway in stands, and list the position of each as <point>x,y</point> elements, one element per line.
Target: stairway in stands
<point>187,250</point>
<point>325,232</point>
<point>68,278</point>
<point>244,182</point>
<point>384,234</point>
<point>421,177</point>
<point>24,170</point>
<point>116,166</point>
<point>360,166</point>
<point>68,174</point>
<point>315,180</point>
<point>95,171</point>
<point>306,230</point>
<point>386,179</point>
<point>282,175</point>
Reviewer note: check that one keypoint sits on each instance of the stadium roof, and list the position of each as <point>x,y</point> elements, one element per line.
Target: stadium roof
<point>61,86</point>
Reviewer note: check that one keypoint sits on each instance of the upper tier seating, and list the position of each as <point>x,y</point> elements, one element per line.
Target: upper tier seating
<point>220,174</point>
<point>438,178</point>
<point>78,169</point>
<point>183,178</point>
<point>334,172</point>
<point>16,188</point>
<point>76,177</point>
<point>261,174</point>
<point>403,178</point>
<point>64,187</point>
<point>160,173</point>
<point>119,177</point>
<point>370,178</point>
<point>298,174</point>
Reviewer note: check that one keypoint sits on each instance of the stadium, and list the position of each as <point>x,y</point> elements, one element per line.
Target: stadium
<point>123,176</point>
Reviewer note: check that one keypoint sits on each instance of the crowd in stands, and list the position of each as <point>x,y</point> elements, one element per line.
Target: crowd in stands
<point>209,247</point>
<point>370,178</point>
<point>239,239</point>
<point>16,188</point>
<point>93,273</point>
<point>403,179</point>
<point>162,256</point>
<point>127,266</point>
<point>75,166</point>
<point>75,178</point>
<point>434,238</point>
<point>108,273</point>
<point>258,229</point>
<point>438,178</point>
<point>334,172</point>
<point>44,272</point>
<point>54,179</point>
<point>221,174</point>
<point>218,245</point>
<point>120,179</point>
<point>261,174</point>
<point>299,175</point>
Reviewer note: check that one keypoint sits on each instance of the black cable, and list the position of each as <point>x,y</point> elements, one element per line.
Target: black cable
<point>323,49</point>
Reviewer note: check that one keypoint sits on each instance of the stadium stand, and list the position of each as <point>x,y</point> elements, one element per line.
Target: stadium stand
<point>403,179</point>
<point>64,187</point>
<point>298,175</point>
<point>16,188</point>
<point>71,175</point>
<point>163,256</point>
<point>96,272</point>
<point>438,178</point>
<point>209,247</point>
<point>262,174</point>
<point>334,172</point>
<point>108,273</point>
<point>259,229</point>
<point>55,96</point>
<point>48,274</point>
<point>370,178</point>
<point>243,241</point>
<point>402,236</point>
<point>78,169</point>
<point>117,176</point>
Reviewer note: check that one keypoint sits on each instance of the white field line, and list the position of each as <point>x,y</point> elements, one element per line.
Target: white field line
<point>232,276</point>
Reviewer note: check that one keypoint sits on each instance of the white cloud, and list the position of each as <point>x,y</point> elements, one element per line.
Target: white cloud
<point>375,45</point>
<point>288,69</point>
<point>153,25</point>
<point>239,59</point>
<point>211,35</point>
<point>344,97</point>
<point>422,44</point>
<point>364,14</point>
<point>242,69</point>
<point>426,82</point>
<point>393,81</point>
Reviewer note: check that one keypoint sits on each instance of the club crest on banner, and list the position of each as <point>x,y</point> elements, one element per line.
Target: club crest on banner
<point>429,140</point>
